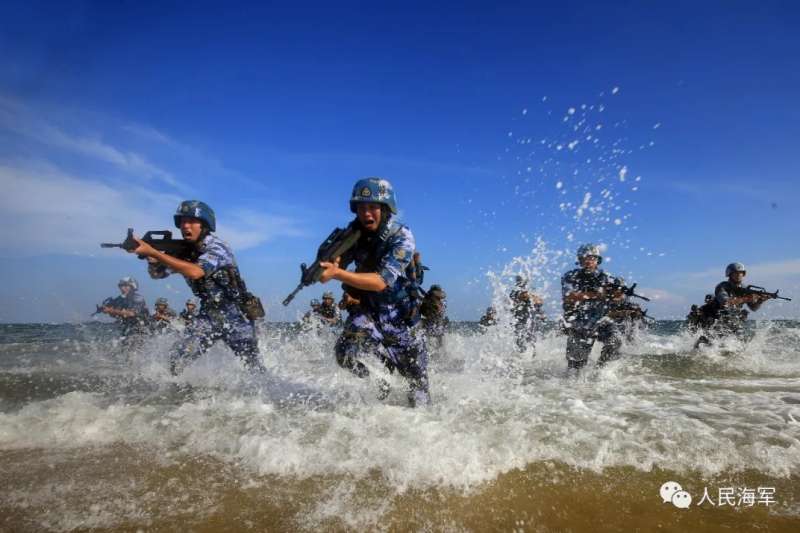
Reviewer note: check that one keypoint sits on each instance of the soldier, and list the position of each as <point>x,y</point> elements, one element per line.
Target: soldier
<point>730,297</point>
<point>628,315</point>
<point>434,316</point>
<point>489,318</point>
<point>701,318</point>
<point>528,315</point>
<point>586,301</point>
<point>162,315</point>
<point>227,310</point>
<point>190,312</point>
<point>327,311</point>
<point>130,310</point>
<point>381,323</point>
<point>312,313</point>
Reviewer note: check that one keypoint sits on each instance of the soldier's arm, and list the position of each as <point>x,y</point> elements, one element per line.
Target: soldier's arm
<point>753,301</point>
<point>579,296</point>
<point>190,270</point>
<point>755,304</point>
<point>392,266</point>
<point>120,313</point>
<point>366,281</point>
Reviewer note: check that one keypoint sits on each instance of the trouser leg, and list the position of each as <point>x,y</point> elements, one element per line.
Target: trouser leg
<point>410,354</point>
<point>611,337</point>
<point>195,342</point>
<point>359,337</point>
<point>240,336</point>
<point>579,346</point>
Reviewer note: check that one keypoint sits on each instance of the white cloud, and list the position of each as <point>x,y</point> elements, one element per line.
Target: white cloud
<point>50,212</point>
<point>245,228</point>
<point>661,296</point>
<point>770,269</point>
<point>21,120</point>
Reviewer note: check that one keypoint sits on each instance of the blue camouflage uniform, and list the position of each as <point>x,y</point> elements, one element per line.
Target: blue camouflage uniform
<point>385,319</point>
<point>586,321</point>
<point>220,316</point>
<point>132,329</point>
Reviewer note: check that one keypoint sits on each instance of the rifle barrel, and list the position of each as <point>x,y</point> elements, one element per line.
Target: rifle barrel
<point>289,298</point>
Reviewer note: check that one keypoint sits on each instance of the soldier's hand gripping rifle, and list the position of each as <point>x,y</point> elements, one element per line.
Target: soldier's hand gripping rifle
<point>110,301</point>
<point>160,240</point>
<point>338,242</point>
<point>616,286</point>
<point>761,291</point>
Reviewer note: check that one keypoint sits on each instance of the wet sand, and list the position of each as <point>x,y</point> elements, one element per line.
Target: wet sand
<point>120,488</point>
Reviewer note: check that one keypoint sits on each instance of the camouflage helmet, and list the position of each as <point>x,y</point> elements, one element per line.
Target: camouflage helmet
<point>129,281</point>
<point>196,209</point>
<point>734,267</point>
<point>328,296</point>
<point>192,301</point>
<point>520,281</point>
<point>161,301</point>
<point>590,250</point>
<point>373,191</point>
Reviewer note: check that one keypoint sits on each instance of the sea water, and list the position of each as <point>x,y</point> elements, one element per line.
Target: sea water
<point>95,437</point>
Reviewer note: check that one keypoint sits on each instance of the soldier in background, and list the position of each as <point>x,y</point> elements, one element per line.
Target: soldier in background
<point>190,311</point>
<point>526,308</point>
<point>163,315</point>
<point>434,316</point>
<point>130,311</point>
<point>489,318</point>
<point>587,297</point>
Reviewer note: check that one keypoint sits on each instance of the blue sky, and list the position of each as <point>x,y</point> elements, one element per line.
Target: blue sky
<point>493,120</point>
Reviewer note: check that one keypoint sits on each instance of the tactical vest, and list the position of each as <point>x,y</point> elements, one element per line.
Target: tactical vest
<point>376,247</point>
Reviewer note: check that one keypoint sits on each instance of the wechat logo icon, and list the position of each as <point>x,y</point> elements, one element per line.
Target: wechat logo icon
<point>672,492</point>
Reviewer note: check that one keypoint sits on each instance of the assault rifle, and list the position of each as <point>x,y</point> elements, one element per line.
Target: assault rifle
<point>761,291</point>
<point>111,300</point>
<point>160,240</point>
<point>338,242</point>
<point>616,286</point>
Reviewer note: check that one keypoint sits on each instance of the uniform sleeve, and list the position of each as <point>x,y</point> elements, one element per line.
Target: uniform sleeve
<point>215,256</point>
<point>721,294</point>
<point>398,255</point>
